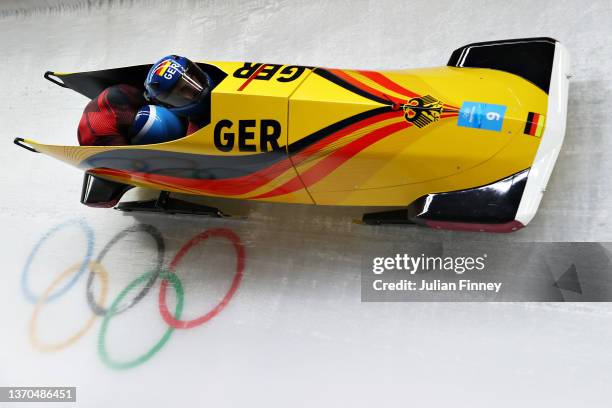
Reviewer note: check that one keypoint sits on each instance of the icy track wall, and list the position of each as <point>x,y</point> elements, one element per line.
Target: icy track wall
<point>269,306</point>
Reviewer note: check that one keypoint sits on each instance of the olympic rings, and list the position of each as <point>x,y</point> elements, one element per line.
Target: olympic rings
<point>89,235</point>
<point>189,324</point>
<point>148,279</point>
<point>103,275</point>
<point>122,365</point>
<point>161,248</point>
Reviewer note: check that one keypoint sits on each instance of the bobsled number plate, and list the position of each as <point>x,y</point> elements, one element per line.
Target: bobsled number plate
<point>481,116</point>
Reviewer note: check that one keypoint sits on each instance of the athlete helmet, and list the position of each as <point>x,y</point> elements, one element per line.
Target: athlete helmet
<point>107,118</point>
<point>178,84</point>
<point>156,124</point>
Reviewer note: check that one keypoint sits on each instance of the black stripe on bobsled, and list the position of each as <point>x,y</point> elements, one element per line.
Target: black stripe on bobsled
<point>349,87</point>
<point>529,58</point>
<point>321,134</point>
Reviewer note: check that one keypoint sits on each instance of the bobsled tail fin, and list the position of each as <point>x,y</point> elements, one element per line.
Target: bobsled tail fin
<point>545,63</point>
<point>529,58</point>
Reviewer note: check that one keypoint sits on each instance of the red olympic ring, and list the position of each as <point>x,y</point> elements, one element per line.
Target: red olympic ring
<point>238,247</point>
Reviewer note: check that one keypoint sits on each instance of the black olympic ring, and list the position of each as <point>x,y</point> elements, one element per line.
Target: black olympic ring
<point>161,249</point>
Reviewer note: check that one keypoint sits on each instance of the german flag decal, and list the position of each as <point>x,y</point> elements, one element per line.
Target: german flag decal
<point>534,125</point>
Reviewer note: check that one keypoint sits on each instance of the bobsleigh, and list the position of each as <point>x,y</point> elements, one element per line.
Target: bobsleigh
<point>468,146</point>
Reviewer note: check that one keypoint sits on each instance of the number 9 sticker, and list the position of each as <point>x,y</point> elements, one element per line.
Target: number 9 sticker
<point>480,115</point>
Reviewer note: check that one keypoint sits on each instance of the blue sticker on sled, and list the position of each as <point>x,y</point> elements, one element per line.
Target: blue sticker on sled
<point>481,116</point>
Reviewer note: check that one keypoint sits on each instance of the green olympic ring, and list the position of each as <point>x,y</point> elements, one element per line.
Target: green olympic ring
<point>123,365</point>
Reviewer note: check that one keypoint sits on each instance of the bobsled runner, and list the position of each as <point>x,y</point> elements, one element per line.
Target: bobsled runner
<point>469,146</point>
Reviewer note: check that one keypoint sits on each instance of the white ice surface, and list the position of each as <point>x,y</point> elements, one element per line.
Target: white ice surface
<point>295,333</point>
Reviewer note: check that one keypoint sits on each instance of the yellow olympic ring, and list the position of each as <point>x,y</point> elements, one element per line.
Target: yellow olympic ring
<point>99,270</point>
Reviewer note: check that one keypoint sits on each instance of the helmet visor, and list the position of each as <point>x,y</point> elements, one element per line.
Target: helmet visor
<point>191,86</point>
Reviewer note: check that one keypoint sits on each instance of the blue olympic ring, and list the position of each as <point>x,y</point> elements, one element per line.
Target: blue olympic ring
<point>89,234</point>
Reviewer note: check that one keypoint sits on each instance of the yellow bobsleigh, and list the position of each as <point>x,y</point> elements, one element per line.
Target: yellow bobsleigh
<point>470,145</point>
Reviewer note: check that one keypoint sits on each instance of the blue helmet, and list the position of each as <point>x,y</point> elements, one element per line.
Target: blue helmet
<point>156,124</point>
<point>178,84</point>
